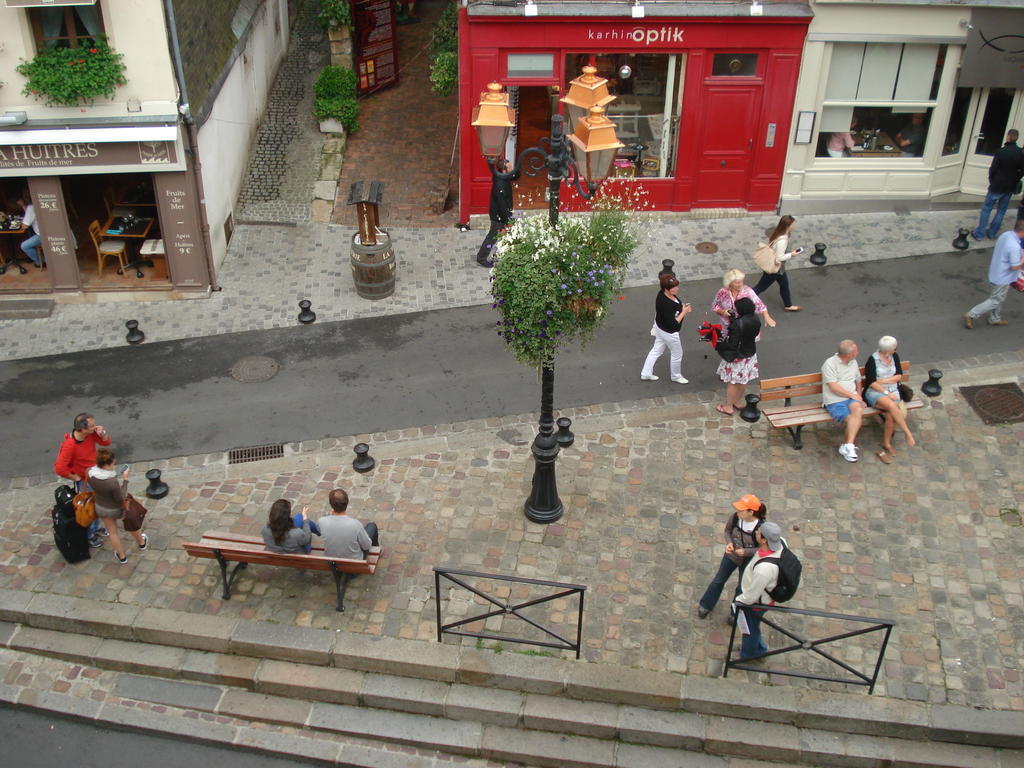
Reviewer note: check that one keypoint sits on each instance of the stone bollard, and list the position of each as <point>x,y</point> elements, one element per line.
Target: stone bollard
<point>818,258</point>
<point>961,242</point>
<point>667,268</point>
<point>564,437</point>
<point>306,316</point>
<point>157,488</point>
<point>363,462</point>
<point>932,388</point>
<point>135,336</point>
<point>749,412</point>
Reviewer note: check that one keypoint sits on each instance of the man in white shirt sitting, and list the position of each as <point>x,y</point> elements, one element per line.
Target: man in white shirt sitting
<point>30,245</point>
<point>344,536</point>
<point>841,396</point>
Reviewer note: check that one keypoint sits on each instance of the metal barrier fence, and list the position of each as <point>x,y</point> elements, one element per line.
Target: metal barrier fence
<point>813,646</point>
<point>506,608</point>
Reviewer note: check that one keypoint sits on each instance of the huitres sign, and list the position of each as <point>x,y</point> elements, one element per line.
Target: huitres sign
<point>151,155</point>
<point>375,46</point>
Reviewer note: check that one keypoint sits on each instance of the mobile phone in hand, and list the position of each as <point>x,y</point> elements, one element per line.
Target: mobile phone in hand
<point>124,468</point>
<point>798,251</point>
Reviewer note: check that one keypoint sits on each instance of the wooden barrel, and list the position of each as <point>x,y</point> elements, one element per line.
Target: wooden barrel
<point>373,268</point>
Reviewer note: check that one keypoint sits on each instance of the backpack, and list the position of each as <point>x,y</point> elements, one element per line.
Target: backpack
<point>789,575</point>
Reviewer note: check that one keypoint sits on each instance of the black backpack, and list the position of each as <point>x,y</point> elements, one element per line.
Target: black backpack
<point>789,575</point>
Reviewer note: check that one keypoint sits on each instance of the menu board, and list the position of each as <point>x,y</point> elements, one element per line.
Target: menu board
<point>375,47</point>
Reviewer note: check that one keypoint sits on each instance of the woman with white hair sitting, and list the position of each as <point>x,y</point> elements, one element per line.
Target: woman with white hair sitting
<point>882,376</point>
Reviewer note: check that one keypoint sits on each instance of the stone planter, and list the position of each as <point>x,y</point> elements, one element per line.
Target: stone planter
<point>330,125</point>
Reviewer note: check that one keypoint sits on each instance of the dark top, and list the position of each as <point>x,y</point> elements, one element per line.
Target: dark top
<point>745,328</point>
<point>1006,170</point>
<point>501,195</point>
<point>741,539</point>
<point>870,374</point>
<point>294,543</point>
<point>665,311</point>
<point>915,134</point>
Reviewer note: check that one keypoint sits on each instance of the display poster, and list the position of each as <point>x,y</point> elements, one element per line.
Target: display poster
<point>182,235</point>
<point>52,224</point>
<point>374,44</point>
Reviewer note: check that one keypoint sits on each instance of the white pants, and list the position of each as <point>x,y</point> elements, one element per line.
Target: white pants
<point>663,341</point>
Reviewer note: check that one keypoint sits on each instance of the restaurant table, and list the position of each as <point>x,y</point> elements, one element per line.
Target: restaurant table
<point>9,254</point>
<point>137,232</point>
<point>884,140</point>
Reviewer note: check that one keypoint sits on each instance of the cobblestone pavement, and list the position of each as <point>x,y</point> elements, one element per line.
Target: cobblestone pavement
<point>285,158</point>
<point>271,268</point>
<point>647,487</point>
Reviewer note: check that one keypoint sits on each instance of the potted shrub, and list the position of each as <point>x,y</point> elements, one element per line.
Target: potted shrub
<point>68,77</point>
<point>334,100</point>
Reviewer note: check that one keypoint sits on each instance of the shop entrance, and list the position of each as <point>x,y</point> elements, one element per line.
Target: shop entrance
<point>977,128</point>
<point>533,121</point>
<point>725,144</point>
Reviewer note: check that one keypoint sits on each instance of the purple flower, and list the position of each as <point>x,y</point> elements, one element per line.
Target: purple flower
<point>564,286</point>
<point>549,313</point>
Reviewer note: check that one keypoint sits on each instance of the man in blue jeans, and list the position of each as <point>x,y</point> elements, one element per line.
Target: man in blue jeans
<point>1004,173</point>
<point>758,580</point>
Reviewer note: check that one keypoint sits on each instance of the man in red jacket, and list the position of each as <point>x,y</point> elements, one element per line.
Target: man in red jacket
<point>77,453</point>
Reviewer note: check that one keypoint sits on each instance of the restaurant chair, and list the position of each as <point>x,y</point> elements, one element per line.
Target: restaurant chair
<point>106,248</point>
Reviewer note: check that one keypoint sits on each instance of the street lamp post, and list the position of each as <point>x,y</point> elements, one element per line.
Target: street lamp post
<point>583,157</point>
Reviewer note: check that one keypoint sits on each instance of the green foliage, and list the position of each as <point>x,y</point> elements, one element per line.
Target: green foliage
<point>335,13</point>
<point>551,286</point>
<point>334,94</point>
<point>71,76</point>
<point>444,46</point>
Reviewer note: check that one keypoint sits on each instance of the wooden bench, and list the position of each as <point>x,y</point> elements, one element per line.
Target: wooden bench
<point>235,548</point>
<point>795,417</point>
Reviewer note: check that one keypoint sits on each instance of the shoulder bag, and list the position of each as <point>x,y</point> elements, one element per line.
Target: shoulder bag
<point>766,258</point>
<point>85,508</point>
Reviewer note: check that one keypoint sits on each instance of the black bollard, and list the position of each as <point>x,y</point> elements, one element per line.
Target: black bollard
<point>818,258</point>
<point>564,437</point>
<point>306,316</point>
<point>932,388</point>
<point>749,412</point>
<point>135,336</point>
<point>364,461</point>
<point>157,488</point>
<point>961,242</point>
<point>667,268</point>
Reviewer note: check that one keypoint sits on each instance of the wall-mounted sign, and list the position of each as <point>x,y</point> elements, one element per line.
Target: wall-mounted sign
<point>147,155</point>
<point>375,47</point>
<point>994,53</point>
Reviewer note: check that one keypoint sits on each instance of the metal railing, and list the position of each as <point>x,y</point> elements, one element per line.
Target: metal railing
<point>814,646</point>
<point>508,608</point>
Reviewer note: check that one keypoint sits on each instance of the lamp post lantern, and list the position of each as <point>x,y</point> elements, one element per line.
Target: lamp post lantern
<point>581,158</point>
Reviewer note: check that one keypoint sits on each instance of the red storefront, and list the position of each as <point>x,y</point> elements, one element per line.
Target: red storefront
<point>704,104</point>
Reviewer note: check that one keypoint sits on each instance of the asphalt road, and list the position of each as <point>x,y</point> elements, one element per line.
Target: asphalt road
<point>176,398</point>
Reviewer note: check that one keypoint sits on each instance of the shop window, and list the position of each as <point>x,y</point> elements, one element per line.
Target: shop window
<point>878,99</point>
<point>67,26</point>
<point>645,110</point>
<point>734,65</point>
<point>539,65</point>
<point>957,120</point>
<point>994,120</point>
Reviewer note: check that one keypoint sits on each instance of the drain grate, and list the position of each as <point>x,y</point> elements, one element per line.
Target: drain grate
<point>255,453</point>
<point>707,247</point>
<point>254,369</point>
<point>996,403</point>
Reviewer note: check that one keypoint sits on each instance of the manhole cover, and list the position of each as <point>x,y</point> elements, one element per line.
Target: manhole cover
<point>254,369</point>
<point>996,403</point>
<point>707,247</point>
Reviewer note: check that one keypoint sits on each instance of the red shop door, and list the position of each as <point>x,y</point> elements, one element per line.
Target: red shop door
<point>726,144</point>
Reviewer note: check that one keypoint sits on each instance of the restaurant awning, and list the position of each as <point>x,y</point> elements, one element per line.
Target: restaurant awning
<point>85,135</point>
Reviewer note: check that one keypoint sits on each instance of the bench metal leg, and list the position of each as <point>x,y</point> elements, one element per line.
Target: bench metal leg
<point>797,442</point>
<point>340,583</point>
<point>226,580</point>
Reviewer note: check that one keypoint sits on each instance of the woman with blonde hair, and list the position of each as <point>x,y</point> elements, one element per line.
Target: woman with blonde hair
<point>883,374</point>
<point>731,291</point>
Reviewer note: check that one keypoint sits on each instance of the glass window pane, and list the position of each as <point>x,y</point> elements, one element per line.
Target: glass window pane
<point>876,133</point>
<point>531,64</point>
<point>957,118</point>
<point>734,65</point>
<point>878,75</point>
<point>993,123</point>
<point>844,71</point>
<point>917,72</point>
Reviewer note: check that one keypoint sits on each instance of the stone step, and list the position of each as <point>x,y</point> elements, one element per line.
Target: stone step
<point>25,309</point>
<point>456,718</point>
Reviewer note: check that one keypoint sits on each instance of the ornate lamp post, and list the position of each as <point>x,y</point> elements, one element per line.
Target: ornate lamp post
<point>583,157</point>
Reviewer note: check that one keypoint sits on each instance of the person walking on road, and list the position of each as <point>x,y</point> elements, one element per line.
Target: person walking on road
<point>669,312</point>
<point>500,211</point>
<point>779,241</point>
<point>757,581</point>
<point>1004,174</point>
<point>76,455</point>
<point>740,546</point>
<point>1003,270</point>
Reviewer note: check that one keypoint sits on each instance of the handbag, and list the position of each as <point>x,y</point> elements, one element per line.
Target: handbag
<point>85,508</point>
<point>1018,284</point>
<point>766,258</point>
<point>906,393</point>
<point>134,513</point>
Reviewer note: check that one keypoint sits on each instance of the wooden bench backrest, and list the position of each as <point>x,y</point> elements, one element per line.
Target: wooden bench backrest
<point>251,549</point>
<point>803,385</point>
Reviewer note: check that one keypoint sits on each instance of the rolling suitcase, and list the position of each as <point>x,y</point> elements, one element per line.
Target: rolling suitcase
<point>68,535</point>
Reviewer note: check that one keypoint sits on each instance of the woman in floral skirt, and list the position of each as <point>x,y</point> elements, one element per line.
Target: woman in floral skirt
<point>736,374</point>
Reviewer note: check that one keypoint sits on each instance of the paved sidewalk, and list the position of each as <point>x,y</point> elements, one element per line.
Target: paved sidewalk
<point>271,268</point>
<point>647,487</point>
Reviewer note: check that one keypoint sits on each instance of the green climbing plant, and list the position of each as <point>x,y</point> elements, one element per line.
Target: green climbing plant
<point>444,48</point>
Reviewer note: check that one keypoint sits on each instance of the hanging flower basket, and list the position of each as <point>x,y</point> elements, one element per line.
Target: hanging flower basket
<point>68,77</point>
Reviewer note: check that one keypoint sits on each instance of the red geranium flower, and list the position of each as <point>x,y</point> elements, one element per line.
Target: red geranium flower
<point>94,50</point>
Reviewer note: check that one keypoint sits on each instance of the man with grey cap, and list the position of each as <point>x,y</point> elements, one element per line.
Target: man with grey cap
<point>759,578</point>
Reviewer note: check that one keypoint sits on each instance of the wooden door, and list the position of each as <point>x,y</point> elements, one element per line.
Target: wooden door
<point>726,144</point>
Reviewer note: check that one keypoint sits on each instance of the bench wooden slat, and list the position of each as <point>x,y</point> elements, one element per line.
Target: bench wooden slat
<point>794,415</point>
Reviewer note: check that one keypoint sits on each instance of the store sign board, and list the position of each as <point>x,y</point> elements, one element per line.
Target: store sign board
<point>642,36</point>
<point>179,225</point>
<point>374,44</point>
<point>994,54</point>
<point>148,155</point>
<point>52,223</point>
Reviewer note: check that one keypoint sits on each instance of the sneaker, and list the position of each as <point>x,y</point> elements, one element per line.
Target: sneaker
<point>95,542</point>
<point>998,322</point>
<point>968,322</point>
<point>702,612</point>
<point>102,532</point>
<point>680,380</point>
<point>648,377</point>
<point>848,452</point>
<point>121,560</point>
<point>145,543</point>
